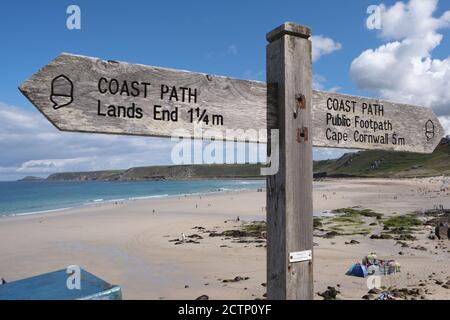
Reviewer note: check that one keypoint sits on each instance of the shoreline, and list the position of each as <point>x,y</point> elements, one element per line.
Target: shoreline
<point>94,203</point>
<point>113,203</point>
<point>101,201</point>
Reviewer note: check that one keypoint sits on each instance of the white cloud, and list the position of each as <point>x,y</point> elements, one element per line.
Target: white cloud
<point>403,69</point>
<point>322,46</point>
<point>329,153</point>
<point>445,122</point>
<point>29,144</point>
<point>319,82</point>
<point>53,165</point>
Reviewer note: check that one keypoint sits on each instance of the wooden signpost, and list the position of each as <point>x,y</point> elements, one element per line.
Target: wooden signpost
<point>289,191</point>
<point>83,94</point>
<point>343,121</point>
<point>132,99</point>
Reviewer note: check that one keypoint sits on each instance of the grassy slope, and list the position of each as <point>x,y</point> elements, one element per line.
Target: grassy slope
<point>389,164</point>
<point>360,164</point>
<point>165,172</point>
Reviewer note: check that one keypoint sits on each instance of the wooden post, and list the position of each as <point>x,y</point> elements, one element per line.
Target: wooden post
<point>289,192</point>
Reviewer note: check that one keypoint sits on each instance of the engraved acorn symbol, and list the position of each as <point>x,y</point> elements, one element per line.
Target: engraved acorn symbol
<point>429,130</point>
<point>62,92</point>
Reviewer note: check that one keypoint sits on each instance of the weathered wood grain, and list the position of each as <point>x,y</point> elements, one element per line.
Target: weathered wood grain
<point>408,122</point>
<point>242,104</point>
<point>289,191</point>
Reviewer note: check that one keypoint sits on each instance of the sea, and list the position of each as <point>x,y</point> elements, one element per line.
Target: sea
<point>34,197</point>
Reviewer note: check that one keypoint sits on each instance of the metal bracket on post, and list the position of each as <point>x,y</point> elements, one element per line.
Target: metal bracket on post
<point>301,101</point>
<point>302,135</point>
<point>300,104</point>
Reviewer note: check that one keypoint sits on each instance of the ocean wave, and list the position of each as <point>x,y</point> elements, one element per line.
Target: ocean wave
<point>116,200</point>
<point>101,201</point>
<point>149,197</point>
<point>34,212</point>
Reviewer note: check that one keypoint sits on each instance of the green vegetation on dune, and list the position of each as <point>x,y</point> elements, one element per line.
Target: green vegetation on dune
<point>405,221</point>
<point>178,172</point>
<point>106,175</point>
<point>358,212</point>
<point>317,223</point>
<point>351,221</point>
<point>255,228</point>
<point>403,227</point>
<point>360,221</point>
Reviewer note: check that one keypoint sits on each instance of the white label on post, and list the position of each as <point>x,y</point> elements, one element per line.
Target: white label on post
<point>300,256</point>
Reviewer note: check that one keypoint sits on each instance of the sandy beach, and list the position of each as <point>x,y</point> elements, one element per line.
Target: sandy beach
<point>134,244</point>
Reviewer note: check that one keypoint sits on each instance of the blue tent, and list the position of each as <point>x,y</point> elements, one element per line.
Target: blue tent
<point>357,270</point>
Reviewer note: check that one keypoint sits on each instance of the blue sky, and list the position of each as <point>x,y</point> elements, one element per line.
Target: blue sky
<point>191,35</point>
<point>216,37</point>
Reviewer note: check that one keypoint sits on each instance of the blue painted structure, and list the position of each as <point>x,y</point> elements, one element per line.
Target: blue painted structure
<point>53,286</point>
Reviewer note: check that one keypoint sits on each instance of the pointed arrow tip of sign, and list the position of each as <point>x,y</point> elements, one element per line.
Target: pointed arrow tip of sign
<point>441,129</point>
<point>23,89</point>
<point>438,128</point>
